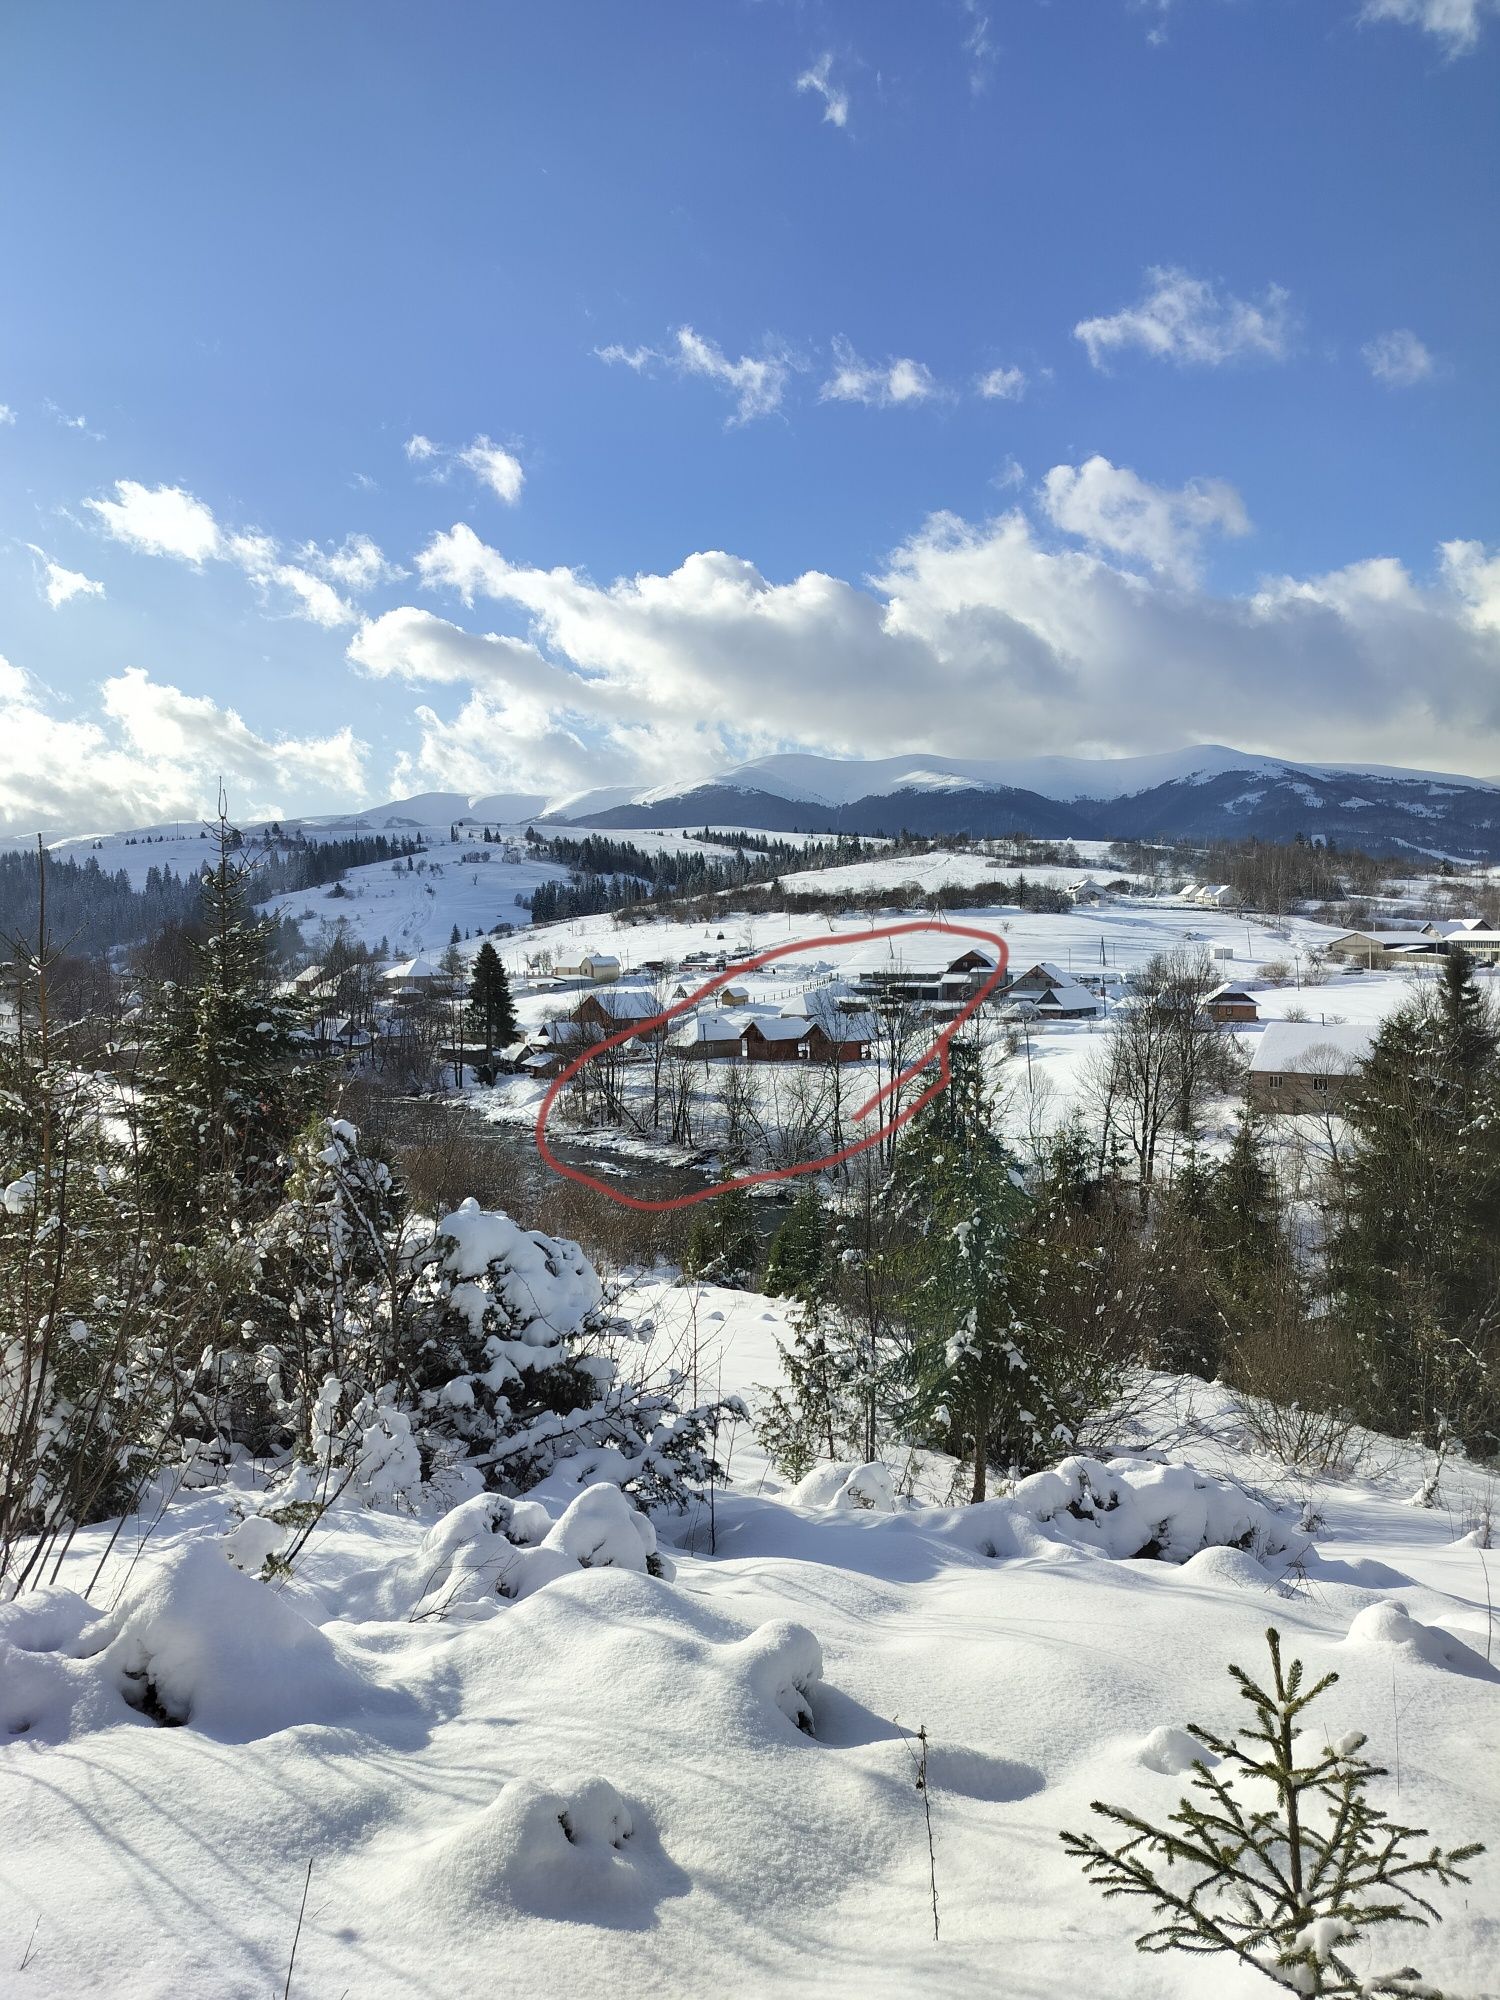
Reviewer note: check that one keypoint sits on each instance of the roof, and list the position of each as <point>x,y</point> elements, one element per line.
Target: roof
<point>1067,993</point>
<point>625,1003</point>
<point>1045,969</point>
<point>1230,991</point>
<point>847,1027</point>
<point>717,1025</point>
<point>1311,1048</point>
<point>1390,940</point>
<point>413,968</point>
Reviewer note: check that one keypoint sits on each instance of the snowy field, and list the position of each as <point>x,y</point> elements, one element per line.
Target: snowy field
<point>602,1786</point>
<point>1115,937</point>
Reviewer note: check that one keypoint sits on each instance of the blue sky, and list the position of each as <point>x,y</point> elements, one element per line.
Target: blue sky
<point>701,380</point>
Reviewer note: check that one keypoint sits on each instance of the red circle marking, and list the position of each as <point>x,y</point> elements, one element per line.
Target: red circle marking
<point>936,1050</point>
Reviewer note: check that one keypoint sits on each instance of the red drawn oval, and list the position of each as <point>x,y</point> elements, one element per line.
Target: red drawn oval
<point>936,1050</point>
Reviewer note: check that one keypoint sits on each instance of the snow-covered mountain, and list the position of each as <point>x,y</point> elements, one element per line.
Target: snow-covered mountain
<point>1203,792</point>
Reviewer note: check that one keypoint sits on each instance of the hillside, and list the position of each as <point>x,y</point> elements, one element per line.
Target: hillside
<point>704,1779</point>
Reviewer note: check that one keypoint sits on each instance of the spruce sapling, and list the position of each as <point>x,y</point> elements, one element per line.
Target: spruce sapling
<point>1285,1887</point>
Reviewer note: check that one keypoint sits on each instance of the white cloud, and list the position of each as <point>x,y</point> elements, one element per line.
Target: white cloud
<point>1398,358</point>
<point>168,521</point>
<point>59,585</point>
<point>1114,509</point>
<point>160,521</point>
<point>357,563</point>
<point>1455,23</point>
<point>492,465</point>
<point>1193,322</point>
<point>978,47</point>
<point>975,633</point>
<point>835,100</point>
<point>880,384</point>
<point>1006,385</point>
<point>152,753</point>
<point>757,383</point>
<point>637,358</point>
<point>7,414</point>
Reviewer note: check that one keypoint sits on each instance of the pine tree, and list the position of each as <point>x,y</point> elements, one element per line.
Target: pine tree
<point>796,1261</point>
<point>1285,1888</point>
<point>722,1245</point>
<point>817,1410</point>
<point>957,1185</point>
<point>490,1004</point>
<point>229,1077</point>
<point>1414,1256</point>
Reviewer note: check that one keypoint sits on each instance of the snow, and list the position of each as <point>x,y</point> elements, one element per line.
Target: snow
<point>510,1751</point>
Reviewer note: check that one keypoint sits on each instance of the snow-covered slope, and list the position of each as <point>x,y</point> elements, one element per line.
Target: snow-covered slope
<point>704,1781</point>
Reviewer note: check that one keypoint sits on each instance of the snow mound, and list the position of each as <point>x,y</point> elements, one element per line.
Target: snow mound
<point>49,1693</point>
<point>601,1530</point>
<point>780,1664</point>
<point>202,1643</point>
<point>1391,1624</point>
<point>1171,1751</point>
<point>1131,1507</point>
<point>492,1549</point>
<point>871,1487</point>
<point>574,1855</point>
<point>1227,1568</point>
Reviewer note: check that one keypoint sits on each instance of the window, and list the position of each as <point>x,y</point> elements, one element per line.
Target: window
<point>1320,1083</point>
<point>1274,1082</point>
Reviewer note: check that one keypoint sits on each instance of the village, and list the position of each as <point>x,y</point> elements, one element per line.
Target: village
<point>671,1004</point>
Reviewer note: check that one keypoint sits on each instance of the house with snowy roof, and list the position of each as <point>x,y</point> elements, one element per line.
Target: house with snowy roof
<point>1231,1003</point>
<point>618,1008</point>
<point>413,976</point>
<point>1374,949</point>
<point>1306,1066</point>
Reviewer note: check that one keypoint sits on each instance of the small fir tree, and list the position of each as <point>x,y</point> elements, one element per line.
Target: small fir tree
<point>1285,1887</point>
<point>722,1246</point>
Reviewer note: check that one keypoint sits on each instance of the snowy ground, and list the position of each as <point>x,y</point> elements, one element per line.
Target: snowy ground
<point>423,1763</point>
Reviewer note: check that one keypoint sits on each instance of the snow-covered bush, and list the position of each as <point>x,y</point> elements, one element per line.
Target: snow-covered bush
<point>513,1353</point>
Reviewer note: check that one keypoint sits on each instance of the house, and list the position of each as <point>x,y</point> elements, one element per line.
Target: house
<point>1381,948</point>
<point>773,1040</point>
<point>1088,891</point>
<point>1452,927</point>
<point>713,1033</point>
<point>1306,1066</point>
<point>413,976</point>
<point>1216,896</point>
<point>609,1012</point>
<point>600,966</point>
<point>1065,1001</point>
<point>1231,1003</point>
<point>933,977</point>
<point>842,1038</point>
<point>1038,978</point>
<point>1483,946</point>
